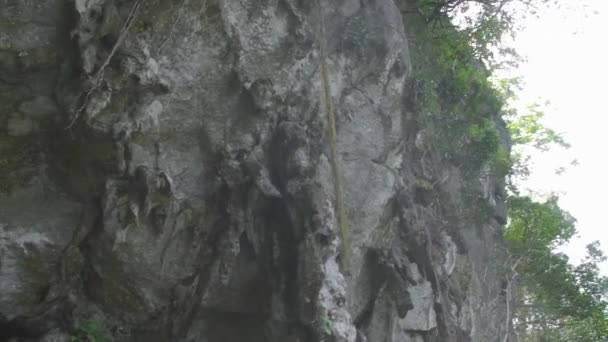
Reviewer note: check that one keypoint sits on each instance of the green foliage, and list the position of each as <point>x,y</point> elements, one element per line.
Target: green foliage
<point>501,162</point>
<point>537,226</point>
<point>456,98</point>
<point>327,325</point>
<point>483,23</point>
<point>91,331</point>
<point>528,130</point>
<point>556,300</point>
<point>458,84</point>
<point>455,92</point>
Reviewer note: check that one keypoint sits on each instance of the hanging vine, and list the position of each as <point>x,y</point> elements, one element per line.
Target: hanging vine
<point>333,154</point>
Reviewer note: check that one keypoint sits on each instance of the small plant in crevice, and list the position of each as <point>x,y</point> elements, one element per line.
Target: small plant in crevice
<point>424,184</point>
<point>327,325</point>
<point>91,331</point>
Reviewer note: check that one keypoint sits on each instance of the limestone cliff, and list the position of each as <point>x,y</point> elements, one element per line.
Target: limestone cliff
<point>233,170</point>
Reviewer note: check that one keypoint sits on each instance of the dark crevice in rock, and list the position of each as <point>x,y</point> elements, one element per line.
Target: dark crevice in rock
<point>80,164</point>
<point>18,328</point>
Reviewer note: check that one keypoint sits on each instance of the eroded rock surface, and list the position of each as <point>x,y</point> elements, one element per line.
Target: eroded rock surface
<point>166,175</point>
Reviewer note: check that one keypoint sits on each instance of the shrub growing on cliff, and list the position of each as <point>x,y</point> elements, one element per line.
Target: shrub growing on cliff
<point>457,99</point>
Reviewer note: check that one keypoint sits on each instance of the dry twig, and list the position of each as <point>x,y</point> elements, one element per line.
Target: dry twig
<point>100,72</point>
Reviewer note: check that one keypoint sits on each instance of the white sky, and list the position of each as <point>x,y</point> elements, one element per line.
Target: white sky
<point>567,64</point>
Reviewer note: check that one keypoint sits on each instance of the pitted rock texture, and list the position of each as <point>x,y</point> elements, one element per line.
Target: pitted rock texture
<point>166,175</point>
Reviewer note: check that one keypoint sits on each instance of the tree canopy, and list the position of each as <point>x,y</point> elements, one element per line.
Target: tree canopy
<point>555,300</point>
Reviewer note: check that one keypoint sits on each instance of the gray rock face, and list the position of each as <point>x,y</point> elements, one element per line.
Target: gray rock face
<point>167,176</point>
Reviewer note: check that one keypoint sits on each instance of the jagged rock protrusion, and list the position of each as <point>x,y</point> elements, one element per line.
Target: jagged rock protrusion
<point>169,178</point>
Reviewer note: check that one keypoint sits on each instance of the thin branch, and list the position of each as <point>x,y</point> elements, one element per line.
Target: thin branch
<point>179,14</point>
<point>100,72</point>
